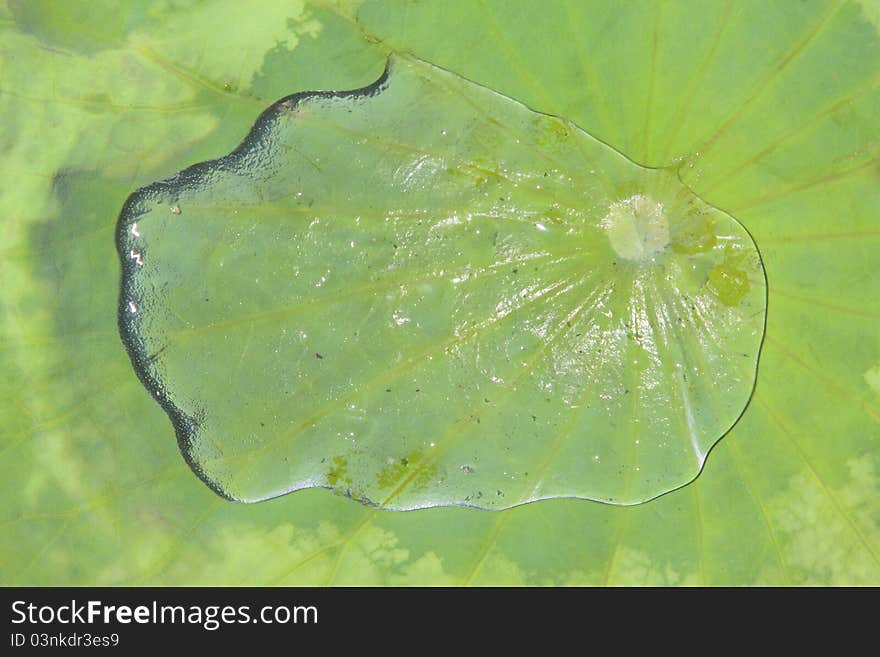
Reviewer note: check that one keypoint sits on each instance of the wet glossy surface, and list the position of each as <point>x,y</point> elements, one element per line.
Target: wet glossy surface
<point>423,293</point>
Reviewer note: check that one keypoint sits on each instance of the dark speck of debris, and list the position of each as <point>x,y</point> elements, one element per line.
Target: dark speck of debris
<point>318,356</point>
<point>387,389</point>
<point>467,469</point>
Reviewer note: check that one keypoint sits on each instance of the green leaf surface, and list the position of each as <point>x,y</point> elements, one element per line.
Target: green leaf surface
<point>769,112</point>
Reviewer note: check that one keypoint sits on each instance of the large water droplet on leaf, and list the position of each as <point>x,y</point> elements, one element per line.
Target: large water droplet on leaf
<point>424,293</point>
